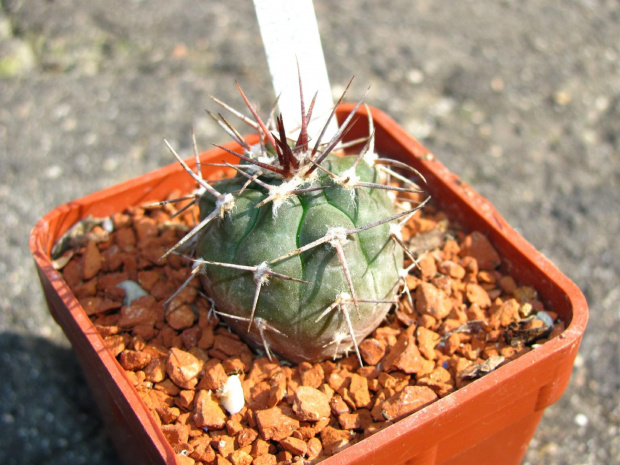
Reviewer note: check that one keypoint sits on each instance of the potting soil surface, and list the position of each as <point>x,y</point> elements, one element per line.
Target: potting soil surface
<point>458,318</point>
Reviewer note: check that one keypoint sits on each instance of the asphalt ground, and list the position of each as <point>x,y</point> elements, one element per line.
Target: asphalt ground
<point>520,98</point>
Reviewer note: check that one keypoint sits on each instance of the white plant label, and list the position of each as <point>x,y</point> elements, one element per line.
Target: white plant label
<point>290,36</point>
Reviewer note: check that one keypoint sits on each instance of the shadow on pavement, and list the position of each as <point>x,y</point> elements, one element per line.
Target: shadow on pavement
<point>47,414</point>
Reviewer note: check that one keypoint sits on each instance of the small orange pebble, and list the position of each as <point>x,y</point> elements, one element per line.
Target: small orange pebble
<point>178,357</point>
<point>478,246</point>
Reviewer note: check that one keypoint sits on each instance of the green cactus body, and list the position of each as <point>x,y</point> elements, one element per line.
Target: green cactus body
<point>250,236</point>
<point>301,250</point>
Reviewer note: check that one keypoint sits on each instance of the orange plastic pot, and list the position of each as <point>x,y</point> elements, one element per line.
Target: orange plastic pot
<point>489,421</point>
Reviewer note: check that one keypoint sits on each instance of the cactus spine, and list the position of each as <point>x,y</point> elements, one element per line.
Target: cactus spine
<point>300,250</point>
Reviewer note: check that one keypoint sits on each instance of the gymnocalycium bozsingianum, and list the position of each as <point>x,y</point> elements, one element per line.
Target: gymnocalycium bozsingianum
<point>301,250</point>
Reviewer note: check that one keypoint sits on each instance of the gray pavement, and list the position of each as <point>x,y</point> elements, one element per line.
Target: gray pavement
<point>521,98</point>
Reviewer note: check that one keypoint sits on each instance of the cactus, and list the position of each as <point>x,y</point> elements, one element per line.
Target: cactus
<point>300,250</point>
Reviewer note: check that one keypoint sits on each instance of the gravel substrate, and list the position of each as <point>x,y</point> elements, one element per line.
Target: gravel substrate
<point>457,319</point>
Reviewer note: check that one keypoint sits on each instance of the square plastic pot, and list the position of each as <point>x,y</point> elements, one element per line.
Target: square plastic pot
<point>489,421</point>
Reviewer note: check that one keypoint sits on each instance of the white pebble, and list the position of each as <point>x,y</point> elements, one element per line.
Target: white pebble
<point>231,395</point>
<point>581,420</point>
<point>53,172</point>
<point>133,291</point>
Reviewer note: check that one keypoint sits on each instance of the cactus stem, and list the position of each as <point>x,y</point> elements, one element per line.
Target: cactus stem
<point>348,179</point>
<point>275,170</point>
